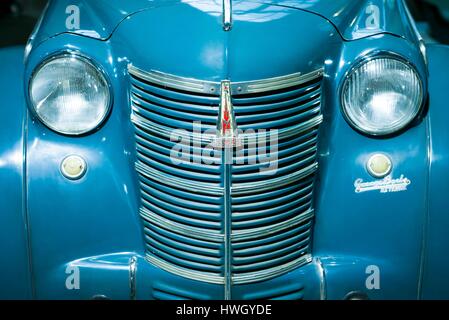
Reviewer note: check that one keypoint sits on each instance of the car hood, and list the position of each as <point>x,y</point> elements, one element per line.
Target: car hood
<point>190,41</point>
<point>352,19</point>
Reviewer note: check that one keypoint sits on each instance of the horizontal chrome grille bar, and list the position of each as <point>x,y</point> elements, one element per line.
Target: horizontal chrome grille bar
<point>200,187</point>
<point>236,279</point>
<point>258,232</point>
<point>171,81</point>
<point>277,83</point>
<point>182,229</point>
<point>167,80</point>
<point>272,184</point>
<point>271,273</point>
<point>184,272</point>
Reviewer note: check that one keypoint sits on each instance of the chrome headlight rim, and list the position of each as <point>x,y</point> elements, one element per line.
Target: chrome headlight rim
<point>366,59</point>
<point>86,59</point>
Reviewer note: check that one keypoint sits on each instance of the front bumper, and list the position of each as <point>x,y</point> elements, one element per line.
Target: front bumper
<point>129,276</point>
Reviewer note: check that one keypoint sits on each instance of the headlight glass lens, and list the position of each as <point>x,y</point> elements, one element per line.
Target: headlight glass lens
<point>382,96</point>
<point>70,95</point>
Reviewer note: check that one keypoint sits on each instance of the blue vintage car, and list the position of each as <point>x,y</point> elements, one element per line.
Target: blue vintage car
<point>218,149</point>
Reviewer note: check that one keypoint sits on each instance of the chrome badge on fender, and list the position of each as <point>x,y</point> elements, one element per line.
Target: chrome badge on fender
<point>386,185</point>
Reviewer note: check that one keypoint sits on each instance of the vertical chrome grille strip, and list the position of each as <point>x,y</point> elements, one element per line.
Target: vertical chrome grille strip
<point>225,128</point>
<point>227,178</point>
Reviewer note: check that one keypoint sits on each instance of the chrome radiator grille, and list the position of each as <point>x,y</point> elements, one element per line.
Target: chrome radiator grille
<point>218,222</point>
<point>271,214</point>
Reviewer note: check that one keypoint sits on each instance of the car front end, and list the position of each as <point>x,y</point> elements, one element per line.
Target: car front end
<point>231,150</point>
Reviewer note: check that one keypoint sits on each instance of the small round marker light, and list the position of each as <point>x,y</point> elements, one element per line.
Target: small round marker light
<point>73,167</point>
<point>379,165</point>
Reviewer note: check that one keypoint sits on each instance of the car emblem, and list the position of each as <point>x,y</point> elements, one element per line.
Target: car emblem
<point>227,136</point>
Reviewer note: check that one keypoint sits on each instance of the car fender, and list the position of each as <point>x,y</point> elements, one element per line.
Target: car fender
<point>15,273</point>
<point>436,262</point>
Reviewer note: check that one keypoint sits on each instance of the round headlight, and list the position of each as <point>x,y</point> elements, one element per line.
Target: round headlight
<point>382,96</point>
<point>70,95</point>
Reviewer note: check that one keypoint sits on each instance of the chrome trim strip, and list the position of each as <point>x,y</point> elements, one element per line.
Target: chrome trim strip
<point>210,138</point>
<point>227,15</point>
<point>300,128</point>
<point>175,82</point>
<point>276,83</point>
<point>213,87</point>
<point>322,275</point>
<point>227,182</point>
<point>167,133</point>
<point>186,273</point>
<point>250,234</point>
<point>132,278</point>
<point>265,185</point>
<point>194,232</point>
<point>272,272</point>
<point>196,186</point>
<point>287,132</point>
<point>238,279</point>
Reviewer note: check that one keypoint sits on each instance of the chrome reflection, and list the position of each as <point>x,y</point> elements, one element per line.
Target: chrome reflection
<point>212,87</point>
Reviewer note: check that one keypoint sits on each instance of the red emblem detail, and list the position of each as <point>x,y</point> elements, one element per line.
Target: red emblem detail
<point>226,123</point>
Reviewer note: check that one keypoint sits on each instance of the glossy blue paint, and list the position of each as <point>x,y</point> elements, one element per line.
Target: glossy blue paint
<point>351,18</point>
<point>93,223</point>
<point>382,229</point>
<point>436,262</point>
<point>71,223</point>
<point>357,19</point>
<point>15,272</point>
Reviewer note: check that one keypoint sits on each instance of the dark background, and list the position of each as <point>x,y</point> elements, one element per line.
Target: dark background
<point>17,20</point>
<point>18,17</point>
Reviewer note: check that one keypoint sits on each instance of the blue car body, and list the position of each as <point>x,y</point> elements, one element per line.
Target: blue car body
<point>50,226</point>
